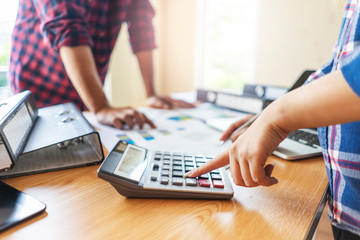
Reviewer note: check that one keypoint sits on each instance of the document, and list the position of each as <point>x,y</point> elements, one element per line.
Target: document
<point>179,130</point>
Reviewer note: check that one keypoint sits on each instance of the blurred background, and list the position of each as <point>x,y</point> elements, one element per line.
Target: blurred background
<point>215,44</point>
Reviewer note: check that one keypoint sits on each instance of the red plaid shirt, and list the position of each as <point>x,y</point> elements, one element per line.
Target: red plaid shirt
<point>43,26</point>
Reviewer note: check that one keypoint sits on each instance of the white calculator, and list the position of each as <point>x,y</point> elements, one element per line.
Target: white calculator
<point>138,172</point>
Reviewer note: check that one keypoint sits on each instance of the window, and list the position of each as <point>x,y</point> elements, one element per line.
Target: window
<point>226,43</point>
<point>7,19</point>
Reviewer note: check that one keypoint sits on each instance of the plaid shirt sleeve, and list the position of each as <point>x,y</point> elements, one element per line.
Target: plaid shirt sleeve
<point>325,69</point>
<point>350,69</point>
<point>63,23</point>
<point>141,30</point>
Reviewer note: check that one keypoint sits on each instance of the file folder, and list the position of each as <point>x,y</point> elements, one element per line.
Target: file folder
<point>59,138</point>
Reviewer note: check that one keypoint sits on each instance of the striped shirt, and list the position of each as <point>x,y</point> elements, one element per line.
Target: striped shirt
<point>341,143</point>
<point>42,27</point>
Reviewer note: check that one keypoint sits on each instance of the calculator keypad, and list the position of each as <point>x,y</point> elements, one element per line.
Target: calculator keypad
<point>168,170</point>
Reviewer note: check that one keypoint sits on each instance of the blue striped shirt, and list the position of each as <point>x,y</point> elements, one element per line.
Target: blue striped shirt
<point>341,143</point>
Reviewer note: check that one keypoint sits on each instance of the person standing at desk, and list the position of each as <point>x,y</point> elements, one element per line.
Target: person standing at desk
<point>61,51</point>
<point>331,102</point>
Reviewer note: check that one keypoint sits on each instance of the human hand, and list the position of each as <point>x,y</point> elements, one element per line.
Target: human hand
<point>122,117</point>
<point>231,132</point>
<point>166,102</point>
<point>248,154</point>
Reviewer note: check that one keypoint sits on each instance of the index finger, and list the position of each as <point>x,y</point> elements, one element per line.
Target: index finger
<point>148,121</point>
<point>139,119</point>
<point>217,162</point>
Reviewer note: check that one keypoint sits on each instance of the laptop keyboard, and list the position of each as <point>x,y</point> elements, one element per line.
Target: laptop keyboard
<point>305,137</point>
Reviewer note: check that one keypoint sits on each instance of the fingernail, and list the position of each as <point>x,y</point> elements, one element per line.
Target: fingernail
<point>220,143</point>
<point>187,174</point>
<point>276,181</point>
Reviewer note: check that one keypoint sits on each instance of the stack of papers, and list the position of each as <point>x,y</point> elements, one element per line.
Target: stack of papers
<point>179,130</point>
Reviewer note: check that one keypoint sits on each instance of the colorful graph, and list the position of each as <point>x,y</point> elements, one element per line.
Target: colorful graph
<point>180,118</point>
<point>224,115</point>
<point>164,132</point>
<point>146,135</point>
<point>125,138</point>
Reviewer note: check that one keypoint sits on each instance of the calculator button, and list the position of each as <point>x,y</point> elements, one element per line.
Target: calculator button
<point>218,184</point>
<point>165,173</point>
<point>165,167</point>
<point>178,168</point>
<point>153,178</point>
<point>215,171</point>
<point>157,158</point>
<point>198,164</point>
<point>177,173</point>
<point>188,168</point>
<point>156,167</point>
<point>204,183</point>
<point>166,162</point>
<point>166,158</point>
<point>216,176</point>
<point>177,162</point>
<point>177,181</point>
<point>204,176</point>
<point>189,162</point>
<point>191,182</point>
<point>164,180</point>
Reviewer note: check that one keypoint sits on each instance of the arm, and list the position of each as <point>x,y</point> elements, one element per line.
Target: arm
<point>326,101</point>
<point>145,60</point>
<point>142,39</point>
<point>80,66</point>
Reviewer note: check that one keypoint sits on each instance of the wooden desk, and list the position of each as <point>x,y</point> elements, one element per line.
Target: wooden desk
<point>82,206</point>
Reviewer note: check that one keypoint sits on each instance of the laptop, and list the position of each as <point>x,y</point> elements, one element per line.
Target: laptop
<point>300,144</point>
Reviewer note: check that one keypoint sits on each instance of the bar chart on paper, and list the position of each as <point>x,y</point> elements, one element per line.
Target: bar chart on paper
<point>181,130</point>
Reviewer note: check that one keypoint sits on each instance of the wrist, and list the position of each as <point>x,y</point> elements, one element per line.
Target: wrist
<point>99,106</point>
<point>280,116</point>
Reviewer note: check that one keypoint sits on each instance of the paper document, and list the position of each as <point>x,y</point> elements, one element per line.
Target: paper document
<point>179,130</point>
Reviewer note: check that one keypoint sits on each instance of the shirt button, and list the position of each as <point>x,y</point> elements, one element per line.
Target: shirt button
<point>101,34</point>
<point>102,60</point>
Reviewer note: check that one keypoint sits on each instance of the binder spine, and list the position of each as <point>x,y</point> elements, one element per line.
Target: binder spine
<point>5,161</point>
<point>232,101</point>
<point>17,119</point>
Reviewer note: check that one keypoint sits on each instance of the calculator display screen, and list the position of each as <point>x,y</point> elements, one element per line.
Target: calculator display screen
<point>132,163</point>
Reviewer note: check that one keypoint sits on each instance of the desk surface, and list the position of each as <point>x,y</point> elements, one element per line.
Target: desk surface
<point>82,206</point>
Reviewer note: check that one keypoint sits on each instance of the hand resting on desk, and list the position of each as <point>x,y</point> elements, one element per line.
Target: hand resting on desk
<point>165,102</point>
<point>122,118</point>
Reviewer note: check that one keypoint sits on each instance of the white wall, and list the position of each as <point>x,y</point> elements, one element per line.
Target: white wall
<point>173,58</point>
<point>293,36</point>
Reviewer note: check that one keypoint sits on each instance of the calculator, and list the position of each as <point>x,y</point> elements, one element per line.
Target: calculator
<point>138,172</point>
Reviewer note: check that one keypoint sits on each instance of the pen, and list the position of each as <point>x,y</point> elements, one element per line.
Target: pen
<point>245,125</point>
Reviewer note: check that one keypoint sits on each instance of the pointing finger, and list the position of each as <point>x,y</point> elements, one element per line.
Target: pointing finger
<point>217,162</point>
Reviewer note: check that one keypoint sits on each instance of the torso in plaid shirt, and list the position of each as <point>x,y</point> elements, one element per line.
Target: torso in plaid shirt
<point>43,26</point>
<point>341,143</point>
